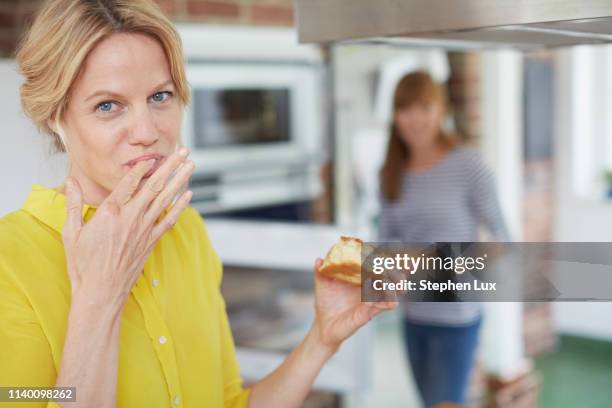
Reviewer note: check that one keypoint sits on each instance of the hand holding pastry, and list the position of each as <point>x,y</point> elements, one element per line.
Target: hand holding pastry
<point>339,309</point>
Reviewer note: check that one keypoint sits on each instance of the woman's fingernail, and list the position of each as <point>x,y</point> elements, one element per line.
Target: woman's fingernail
<point>183,152</point>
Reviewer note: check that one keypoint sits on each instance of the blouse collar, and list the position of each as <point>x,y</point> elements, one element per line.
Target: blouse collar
<point>49,206</point>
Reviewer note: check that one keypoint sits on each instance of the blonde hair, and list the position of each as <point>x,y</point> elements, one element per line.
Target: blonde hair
<point>64,32</point>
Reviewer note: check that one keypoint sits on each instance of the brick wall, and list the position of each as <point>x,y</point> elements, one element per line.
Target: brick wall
<point>464,93</point>
<point>247,12</point>
<point>15,15</point>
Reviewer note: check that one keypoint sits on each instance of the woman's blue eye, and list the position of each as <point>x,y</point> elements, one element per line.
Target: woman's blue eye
<point>105,106</point>
<point>161,96</point>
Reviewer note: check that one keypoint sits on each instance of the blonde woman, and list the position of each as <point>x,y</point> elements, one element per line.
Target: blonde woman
<point>106,285</point>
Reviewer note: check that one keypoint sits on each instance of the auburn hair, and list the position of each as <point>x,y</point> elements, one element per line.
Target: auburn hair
<point>415,87</point>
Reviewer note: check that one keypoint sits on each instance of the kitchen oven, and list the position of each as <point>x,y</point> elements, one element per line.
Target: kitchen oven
<point>254,124</point>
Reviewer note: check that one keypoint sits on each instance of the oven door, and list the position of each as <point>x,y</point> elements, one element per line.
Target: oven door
<point>244,114</point>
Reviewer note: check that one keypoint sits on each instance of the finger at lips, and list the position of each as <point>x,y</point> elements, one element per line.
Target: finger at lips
<point>129,183</point>
<point>172,216</point>
<point>157,182</point>
<point>164,199</point>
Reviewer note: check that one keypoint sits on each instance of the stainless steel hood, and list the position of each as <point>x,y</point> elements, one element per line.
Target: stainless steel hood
<point>523,24</point>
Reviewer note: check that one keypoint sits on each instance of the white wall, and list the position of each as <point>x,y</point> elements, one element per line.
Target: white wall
<point>23,152</point>
<point>584,122</point>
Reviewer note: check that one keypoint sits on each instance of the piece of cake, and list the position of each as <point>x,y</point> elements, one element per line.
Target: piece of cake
<point>343,261</point>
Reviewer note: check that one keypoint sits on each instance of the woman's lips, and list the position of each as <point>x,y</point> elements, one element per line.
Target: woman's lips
<point>159,160</point>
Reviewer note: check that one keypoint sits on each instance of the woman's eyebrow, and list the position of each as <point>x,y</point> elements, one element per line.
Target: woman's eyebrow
<point>116,95</point>
<point>167,82</point>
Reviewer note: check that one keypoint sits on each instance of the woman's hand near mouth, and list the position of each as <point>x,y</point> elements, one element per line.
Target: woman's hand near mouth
<point>104,258</point>
<point>107,254</point>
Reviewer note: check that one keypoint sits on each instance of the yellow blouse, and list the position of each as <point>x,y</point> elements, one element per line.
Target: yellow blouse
<point>176,347</point>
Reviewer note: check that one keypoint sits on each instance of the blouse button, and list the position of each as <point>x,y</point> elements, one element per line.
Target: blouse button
<point>162,340</point>
<point>155,283</point>
<point>176,400</point>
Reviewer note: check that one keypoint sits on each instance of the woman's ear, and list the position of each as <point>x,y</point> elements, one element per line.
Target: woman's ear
<point>51,125</point>
<point>58,131</point>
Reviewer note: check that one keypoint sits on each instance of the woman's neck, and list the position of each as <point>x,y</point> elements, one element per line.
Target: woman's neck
<point>93,193</point>
<point>425,157</point>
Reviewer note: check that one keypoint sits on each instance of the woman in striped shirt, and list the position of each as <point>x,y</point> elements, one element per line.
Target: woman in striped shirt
<point>435,190</point>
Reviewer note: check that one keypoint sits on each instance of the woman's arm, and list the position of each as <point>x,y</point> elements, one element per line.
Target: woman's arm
<point>289,384</point>
<point>339,314</point>
<point>91,352</point>
<point>485,202</point>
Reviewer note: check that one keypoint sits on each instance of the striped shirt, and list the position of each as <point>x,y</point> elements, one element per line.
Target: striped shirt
<point>446,203</point>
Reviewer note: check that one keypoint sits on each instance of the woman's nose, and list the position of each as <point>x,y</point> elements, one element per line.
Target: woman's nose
<point>144,130</point>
